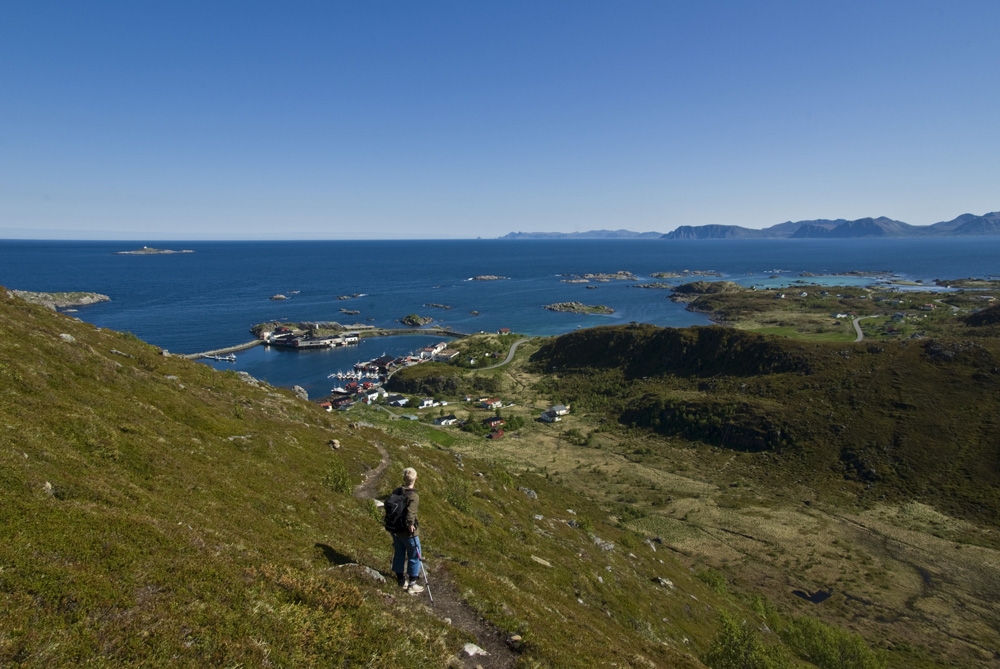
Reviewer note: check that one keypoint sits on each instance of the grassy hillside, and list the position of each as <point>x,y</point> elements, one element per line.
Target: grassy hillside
<point>912,419</point>
<point>159,513</point>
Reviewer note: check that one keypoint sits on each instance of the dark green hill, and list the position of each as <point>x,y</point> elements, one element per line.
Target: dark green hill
<point>913,419</point>
<point>984,317</point>
<point>436,379</point>
<point>646,351</point>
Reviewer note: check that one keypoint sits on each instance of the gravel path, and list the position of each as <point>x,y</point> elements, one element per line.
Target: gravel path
<point>448,604</point>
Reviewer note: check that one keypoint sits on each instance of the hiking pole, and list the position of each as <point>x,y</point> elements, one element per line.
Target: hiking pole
<point>423,570</point>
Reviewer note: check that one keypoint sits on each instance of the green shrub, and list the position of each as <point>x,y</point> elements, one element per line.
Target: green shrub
<point>337,479</point>
<point>714,579</point>
<point>459,495</point>
<point>829,647</point>
<point>502,477</point>
<point>739,646</point>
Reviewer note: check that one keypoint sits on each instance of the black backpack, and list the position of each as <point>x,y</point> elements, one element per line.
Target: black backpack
<point>395,512</point>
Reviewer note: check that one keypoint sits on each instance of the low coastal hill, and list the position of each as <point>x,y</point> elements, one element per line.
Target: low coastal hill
<point>882,414</point>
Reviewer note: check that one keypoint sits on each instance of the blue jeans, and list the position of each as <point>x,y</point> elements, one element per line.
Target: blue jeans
<point>405,549</point>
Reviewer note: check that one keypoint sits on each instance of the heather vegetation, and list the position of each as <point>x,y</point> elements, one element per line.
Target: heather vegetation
<point>713,498</point>
<point>159,513</point>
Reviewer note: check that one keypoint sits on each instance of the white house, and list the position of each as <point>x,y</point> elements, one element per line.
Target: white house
<point>550,417</point>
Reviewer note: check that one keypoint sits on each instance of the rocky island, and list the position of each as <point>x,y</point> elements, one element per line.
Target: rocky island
<point>655,285</point>
<point>684,273</point>
<point>435,305</point>
<point>59,300</point>
<point>579,308</point>
<point>415,320</point>
<point>621,275</point>
<point>690,291</point>
<point>312,328</point>
<point>150,251</point>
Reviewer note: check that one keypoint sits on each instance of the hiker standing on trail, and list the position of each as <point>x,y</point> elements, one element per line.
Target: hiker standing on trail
<point>401,520</point>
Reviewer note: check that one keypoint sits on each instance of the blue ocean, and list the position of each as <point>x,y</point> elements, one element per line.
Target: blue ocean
<point>210,298</point>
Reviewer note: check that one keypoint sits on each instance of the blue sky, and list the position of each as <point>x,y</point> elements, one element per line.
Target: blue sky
<point>393,120</point>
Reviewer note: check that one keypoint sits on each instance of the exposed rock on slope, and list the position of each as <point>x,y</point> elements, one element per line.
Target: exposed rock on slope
<point>59,300</point>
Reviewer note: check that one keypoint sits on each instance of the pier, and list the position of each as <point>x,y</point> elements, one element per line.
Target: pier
<point>223,351</point>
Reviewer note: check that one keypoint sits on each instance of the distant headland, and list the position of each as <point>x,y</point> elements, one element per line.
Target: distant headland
<point>966,225</point>
<point>150,251</point>
<point>59,300</point>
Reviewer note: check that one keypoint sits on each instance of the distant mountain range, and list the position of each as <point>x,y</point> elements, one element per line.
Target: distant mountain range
<point>965,225</point>
<point>591,234</point>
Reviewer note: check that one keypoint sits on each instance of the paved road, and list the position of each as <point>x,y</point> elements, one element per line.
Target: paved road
<point>954,309</point>
<point>857,327</point>
<point>510,355</point>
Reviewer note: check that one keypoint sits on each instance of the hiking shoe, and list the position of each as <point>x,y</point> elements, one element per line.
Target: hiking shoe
<point>415,589</point>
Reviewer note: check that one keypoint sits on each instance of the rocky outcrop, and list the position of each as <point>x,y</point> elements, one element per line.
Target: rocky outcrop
<point>620,275</point>
<point>59,300</point>
<point>684,273</point>
<point>150,251</point>
<point>689,291</point>
<point>415,321</point>
<point>579,308</point>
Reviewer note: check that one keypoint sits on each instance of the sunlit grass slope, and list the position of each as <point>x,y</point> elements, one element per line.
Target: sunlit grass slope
<point>155,512</point>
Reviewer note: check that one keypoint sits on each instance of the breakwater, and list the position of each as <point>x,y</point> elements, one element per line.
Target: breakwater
<point>223,351</point>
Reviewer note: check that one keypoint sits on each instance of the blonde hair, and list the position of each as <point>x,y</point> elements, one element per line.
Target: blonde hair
<point>409,476</point>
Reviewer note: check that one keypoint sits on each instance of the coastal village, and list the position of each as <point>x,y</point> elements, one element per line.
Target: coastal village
<point>366,384</point>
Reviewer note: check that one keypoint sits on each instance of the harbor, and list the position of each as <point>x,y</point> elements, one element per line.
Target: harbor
<point>227,354</point>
